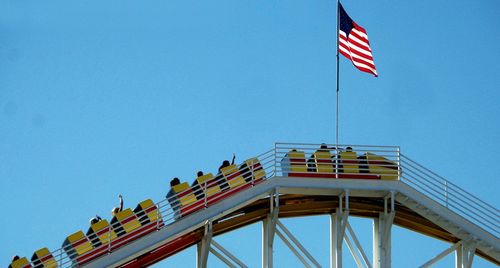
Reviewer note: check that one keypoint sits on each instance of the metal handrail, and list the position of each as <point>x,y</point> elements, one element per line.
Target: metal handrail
<point>274,162</point>
<point>449,183</point>
<point>451,196</point>
<point>166,212</point>
<point>447,193</point>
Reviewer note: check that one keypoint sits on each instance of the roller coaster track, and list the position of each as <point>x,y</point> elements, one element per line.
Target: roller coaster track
<point>417,199</point>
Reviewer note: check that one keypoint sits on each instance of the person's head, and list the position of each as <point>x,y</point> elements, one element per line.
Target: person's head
<point>199,174</point>
<point>93,220</point>
<point>323,146</point>
<point>225,163</point>
<point>174,182</point>
<point>114,211</point>
<point>15,258</point>
<point>348,149</point>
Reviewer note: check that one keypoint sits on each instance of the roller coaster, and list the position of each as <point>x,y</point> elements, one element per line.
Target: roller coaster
<point>291,180</point>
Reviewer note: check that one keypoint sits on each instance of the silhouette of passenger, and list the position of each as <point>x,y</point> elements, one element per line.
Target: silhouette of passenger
<point>91,234</point>
<point>14,258</point>
<point>95,219</point>
<point>311,166</point>
<point>339,159</point>
<point>312,163</point>
<point>226,163</point>
<point>172,198</point>
<point>220,178</point>
<point>198,192</point>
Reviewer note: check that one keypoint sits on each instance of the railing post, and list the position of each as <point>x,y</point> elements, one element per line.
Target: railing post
<point>157,216</point>
<point>109,239</point>
<point>275,158</point>
<point>398,157</point>
<point>252,173</point>
<point>205,193</point>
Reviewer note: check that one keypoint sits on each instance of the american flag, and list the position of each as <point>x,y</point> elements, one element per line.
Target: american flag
<point>353,43</point>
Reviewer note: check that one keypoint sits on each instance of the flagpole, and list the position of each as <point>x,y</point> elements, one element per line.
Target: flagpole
<point>337,112</point>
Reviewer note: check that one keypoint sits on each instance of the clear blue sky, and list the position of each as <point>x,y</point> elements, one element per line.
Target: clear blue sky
<point>99,98</point>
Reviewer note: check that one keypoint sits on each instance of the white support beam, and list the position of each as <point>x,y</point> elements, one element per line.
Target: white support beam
<point>458,257</point>
<point>382,240</point>
<point>345,214</point>
<point>222,258</point>
<point>295,242</point>
<point>204,246</point>
<point>227,253</point>
<point>464,255</point>
<point>352,249</point>
<point>442,255</point>
<point>469,257</point>
<point>267,243</point>
<point>388,220</point>
<point>382,228</point>
<point>338,223</point>
<point>268,229</point>
<point>333,240</point>
<point>358,246</point>
<point>294,251</point>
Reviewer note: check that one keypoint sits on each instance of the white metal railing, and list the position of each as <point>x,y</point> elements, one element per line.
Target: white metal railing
<point>295,160</point>
<point>167,212</point>
<point>451,196</point>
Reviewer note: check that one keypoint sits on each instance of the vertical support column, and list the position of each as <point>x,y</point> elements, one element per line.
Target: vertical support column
<point>464,255</point>
<point>201,261</point>
<point>382,228</point>
<point>204,246</point>
<point>338,223</point>
<point>335,246</point>
<point>459,257</point>
<point>267,244</point>
<point>269,229</point>
<point>469,252</point>
<point>382,241</point>
<point>376,243</point>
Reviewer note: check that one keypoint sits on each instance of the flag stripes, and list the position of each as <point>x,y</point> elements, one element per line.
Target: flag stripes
<point>354,44</point>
